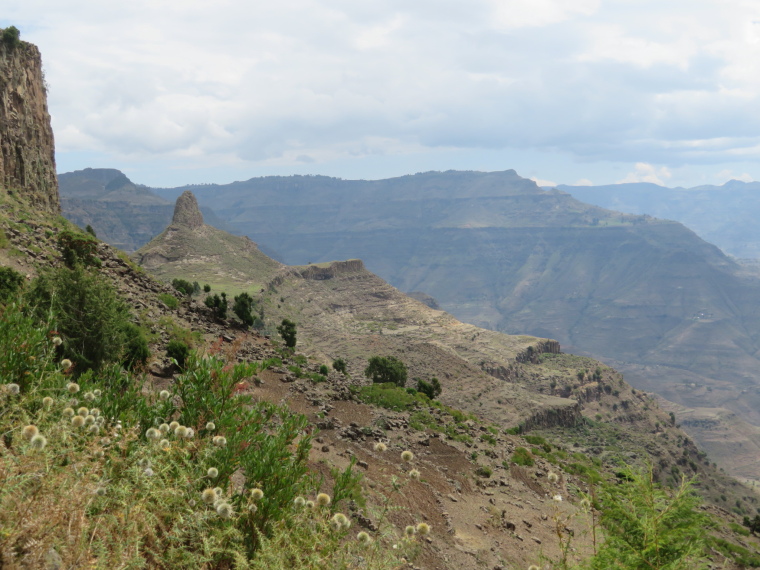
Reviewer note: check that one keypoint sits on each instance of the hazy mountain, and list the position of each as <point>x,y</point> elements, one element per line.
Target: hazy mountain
<point>724,215</point>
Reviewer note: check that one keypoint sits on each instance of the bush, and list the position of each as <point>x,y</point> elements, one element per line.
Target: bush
<point>382,369</point>
<point>431,389</point>
<point>324,370</point>
<point>287,330</point>
<point>78,247</point>
<point>243,308</point>
<point>178,350</point>
<point>168,300</point>
<point>484,471</point>
<point>522,456</point>
<point>93,321</point>
<point>11,282</point>
<point>206,288</point>
<point>11,37</point>
<point>136,351</point>
<point>339,365</point>
<point>218,305</point>
<point>183,286</point>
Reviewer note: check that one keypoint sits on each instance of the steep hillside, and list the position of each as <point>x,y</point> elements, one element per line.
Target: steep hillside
<point>724,215</point>
<point>27,152</point>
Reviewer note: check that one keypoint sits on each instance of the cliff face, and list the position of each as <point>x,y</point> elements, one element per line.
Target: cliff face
<point>27,150</point>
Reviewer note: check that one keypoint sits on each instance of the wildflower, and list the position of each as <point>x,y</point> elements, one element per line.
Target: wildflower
<point>219,491</point>
<point>363,537</point>
<point>47,402</point>
<point>95,412</point>
<point>423,529</point>
<point>97,393</point>
<point>191,502</point>
<point>181,431</point>
<point>557,498</point>
<point>72,387</point>
<point>77,421</point>
<point>164,428</point>
<point>13,388</point>
<point>164,444</point>
<point>252,508</point>
<point>335,525</point>
<point>153,434</point>
<point>89,419</point>
<point>552,477</point>
<point>190,434</point>
<point>212,472</point>
<point>309,504</point>
<point>414,474</point>
<point>83,411</point>
<point>164,394</point>
<point>257,494</point>
<point>380,446</point>
<point>100,420</point>
<point>57,341</point>
<point>173,426</point>
<point>39,441</point>
<point>299,502</point>
<point>410,531</point>
<point>94,428</point>
<point>65,363</point>
<point>224,510</point>
<point>219,440</point>
<point>340,521</point>
<point>148,472</point>
<point>210,426</point>
<point>68,412</point>
<point>30,431</point>
<point>89,396</point>
<point>323,499</point>
<point>208,496</point>
<point>407,455</point>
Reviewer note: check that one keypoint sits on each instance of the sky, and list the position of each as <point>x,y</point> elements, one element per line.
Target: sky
<point>175,92</point>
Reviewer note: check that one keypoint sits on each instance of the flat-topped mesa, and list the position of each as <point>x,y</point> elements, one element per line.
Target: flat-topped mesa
<point>27,149</point>
<point>186,211</point>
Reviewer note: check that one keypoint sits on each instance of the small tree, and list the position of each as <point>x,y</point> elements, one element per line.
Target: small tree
<point>431,389</point>
<point>183,286</point>
<point>11,282</point>
<point>383,369</point>
<point>11,37</point>
<point>287,330</point>
<point>218,304</point>
<point>77,247</point>
<point>90,230</point>
<point>340,365</point>
<point>243,308</point>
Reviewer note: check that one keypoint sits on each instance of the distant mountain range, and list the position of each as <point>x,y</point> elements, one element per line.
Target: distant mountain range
<point>723,215</point>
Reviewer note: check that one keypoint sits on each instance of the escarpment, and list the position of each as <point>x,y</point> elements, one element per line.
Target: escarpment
<point>27,149</point>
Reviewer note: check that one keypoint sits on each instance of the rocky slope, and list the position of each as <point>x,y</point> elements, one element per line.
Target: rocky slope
<point>27,151</point>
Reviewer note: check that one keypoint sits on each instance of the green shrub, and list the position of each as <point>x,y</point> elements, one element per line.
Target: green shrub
<point>206,288</point>
<point>217,304</point>
<point>179,351</point>
<point>324,370</point>
<point>431,389</point>
<point>243,308</point>
<point>484,471</point>
<point>383,369</point>
<point>340,365</point>
<point>387,395</point>
<point>11,37</point>
<point>488,438</point>
<point>25,349</point>
<point>78,247</point>
<point>169,300</point>
<point>522,456</point>
<point>136,351</point>
<point>287,330</point>
<point>183,286</point>
<point>535,440</point>
<point>11,282</point>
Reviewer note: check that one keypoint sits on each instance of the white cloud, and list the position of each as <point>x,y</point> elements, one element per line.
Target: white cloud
<point>583,182</point>
<point>726,175</point>
<point>541,182</point>
<point>647,173</point>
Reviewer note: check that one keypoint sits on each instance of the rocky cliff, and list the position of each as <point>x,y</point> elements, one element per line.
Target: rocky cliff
<point>27,150</point>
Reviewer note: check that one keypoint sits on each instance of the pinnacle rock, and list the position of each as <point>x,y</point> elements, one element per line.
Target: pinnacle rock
<point>186,211</point>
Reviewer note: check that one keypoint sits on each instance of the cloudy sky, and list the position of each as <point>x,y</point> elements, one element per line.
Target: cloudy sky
<point>563,91</point>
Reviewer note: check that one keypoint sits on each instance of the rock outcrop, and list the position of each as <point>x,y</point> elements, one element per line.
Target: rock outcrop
<point>186,211</point>
<point>27,150</point>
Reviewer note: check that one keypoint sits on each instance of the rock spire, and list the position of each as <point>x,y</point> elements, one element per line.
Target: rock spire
<point>186,211</point>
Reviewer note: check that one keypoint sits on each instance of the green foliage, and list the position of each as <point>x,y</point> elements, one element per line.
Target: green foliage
<point>535,440</point>
<point>488,438</point>
<point>649,528</point>
<point>243,308</point>
<point>183,286</point>
<point>178,350</point>
<point>287,330</point>
<point>340,366</point>
<point>517,430</point>
<point>383,369</point>
<point>207,288</point>
<point>217,304</point>
<point>347,486</point>
<point>25,349</point>
<point>11,37</point>
<point>78,247</point>
<point>169,300</point>
<point>740,555</point>
<point>484,471</point>
<point>431,389</point>
<point>324,370</point>
<point>136,351</point>
<point>93,321</point>
<point>521,456</point>
<point>11,282</point>
<point>90,230</point>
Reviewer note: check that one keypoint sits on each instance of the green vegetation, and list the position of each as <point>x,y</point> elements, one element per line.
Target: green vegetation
<point>431,389</point>
<point>178,350</point>
<point>11,37</point>
<point>217,304</point>
<point>78,248</point>
<point>521,456</point>
<point>90,230</point>
<point>169,300</point>
<point>183,286</point>
<point>383,369</point>
<point>243,308</point>
<point>11,282</point>
<point>340,365</point>
<point>287,330</point>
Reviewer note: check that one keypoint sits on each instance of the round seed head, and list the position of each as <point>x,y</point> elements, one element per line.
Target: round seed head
<point>299,502</point>
<point>257,494</point>
<point>407,455</point>
<point>410,531</point>
<point>89,419</point>
<point>552,477</point>
<point>89,396</point>
<point>210,426</point>
<point>97,393</point>
<point>68,412</point>
<point>181,431</point>
<point>224,510</point>
<point>323,499</point>
<point>72,387</point>
<point>219,440</point>
<point>65,363</point>
<point>585,504</point>
<point>77,421</point>
<point>94,428</point>
<point>363,537</point>
<point>414,474</point>
<point>252,508</point>
<point>101,491</point>
<point>309,504</point>
<point>13,388</point>
<point>173,426</point>
<point>57,341</point>
<point>153,434</point>
<point>95,412</point>
<point>164,394</point>
<point>212,472</point>
<point>83,411</point>
<point>143,463</point>
<point>99,454</point>
<point>164,428</point>
<point>47,402</point>
<point>208,496</point>
<point>30,431</point>
<point>39,441</point>
<point>148,472</point>
<point>190,434</point>
<point>164,444</point>
<point>380,446</point>
<point>341,520</point>
<point>423,529</point>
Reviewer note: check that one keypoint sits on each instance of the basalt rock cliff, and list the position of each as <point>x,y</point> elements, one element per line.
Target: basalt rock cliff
<point>27,151</point>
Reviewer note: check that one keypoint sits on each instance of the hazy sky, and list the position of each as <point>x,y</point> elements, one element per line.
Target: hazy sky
<point>563,91</point>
